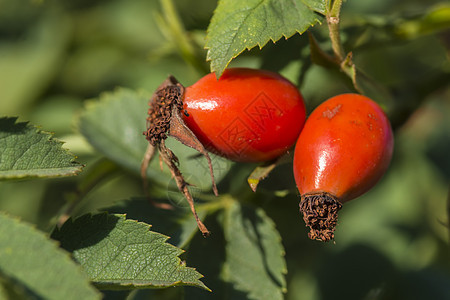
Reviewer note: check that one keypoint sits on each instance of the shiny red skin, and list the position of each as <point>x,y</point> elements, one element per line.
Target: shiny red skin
<point>344,148</point>
<point>247,115</point>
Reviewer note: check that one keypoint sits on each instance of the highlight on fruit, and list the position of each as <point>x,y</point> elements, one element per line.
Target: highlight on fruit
<point>343,150</point>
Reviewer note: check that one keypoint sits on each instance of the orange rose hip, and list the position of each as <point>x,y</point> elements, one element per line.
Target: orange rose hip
<point>344,149</point>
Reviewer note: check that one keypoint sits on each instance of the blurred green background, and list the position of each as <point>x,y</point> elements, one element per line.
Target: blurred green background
<point>391,242</point>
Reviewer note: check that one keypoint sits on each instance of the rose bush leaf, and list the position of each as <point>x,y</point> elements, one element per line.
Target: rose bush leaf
<point>27,152</point>
<point>178,223</point>
<point>33,265</point>
<point>255,256</point>
<point>238,25</point>
<point>119,253</point>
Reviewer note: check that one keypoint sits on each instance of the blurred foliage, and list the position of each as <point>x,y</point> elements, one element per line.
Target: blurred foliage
<point>392,243</point>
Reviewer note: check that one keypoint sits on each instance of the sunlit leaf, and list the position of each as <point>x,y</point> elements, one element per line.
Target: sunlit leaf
<point>239,25</point>
<point>118,253</point>
<point>178,223</point>
<point>28,152</point>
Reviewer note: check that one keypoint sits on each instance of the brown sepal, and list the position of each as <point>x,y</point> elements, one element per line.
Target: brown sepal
<point>164,118</point>
<point>320,213</point>
<point>170,159</point>
<point>182,133</point>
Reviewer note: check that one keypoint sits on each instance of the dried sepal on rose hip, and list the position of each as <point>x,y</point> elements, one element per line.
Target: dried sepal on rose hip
<point>343,150</point>
<point>164,119</point>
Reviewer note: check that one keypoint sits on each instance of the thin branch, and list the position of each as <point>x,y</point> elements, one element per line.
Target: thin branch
<point>333,20</point>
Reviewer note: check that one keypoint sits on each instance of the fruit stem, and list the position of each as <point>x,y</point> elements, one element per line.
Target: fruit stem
<point>333,20</point>
<point>320,213</point>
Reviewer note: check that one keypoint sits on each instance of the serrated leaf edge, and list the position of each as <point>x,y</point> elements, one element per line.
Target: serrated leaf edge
<point>50,138</point>
<point>248,48</point>
<point>133,285</point>
<point>67,256</point>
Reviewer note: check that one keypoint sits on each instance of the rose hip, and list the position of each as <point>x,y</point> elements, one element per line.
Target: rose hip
<point>343,150</point>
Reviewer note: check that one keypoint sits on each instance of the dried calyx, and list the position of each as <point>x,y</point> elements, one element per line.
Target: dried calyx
<point>164,119</point>
<point>164,100</point>
<point>320,213</point>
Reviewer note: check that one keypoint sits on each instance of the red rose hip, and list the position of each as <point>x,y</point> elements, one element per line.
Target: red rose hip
<point>247,115</point>
<point>343,150</point>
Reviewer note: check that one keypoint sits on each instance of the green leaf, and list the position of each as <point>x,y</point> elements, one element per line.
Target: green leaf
<point>122,254</point>
<point>27,152</point>
<point>212,264</point>
<point>114,125</point>
<point>238,25</point>
<point>255,255</point>
<point>319,6</point>
<point>32,261</point>
<point>179,222</point>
